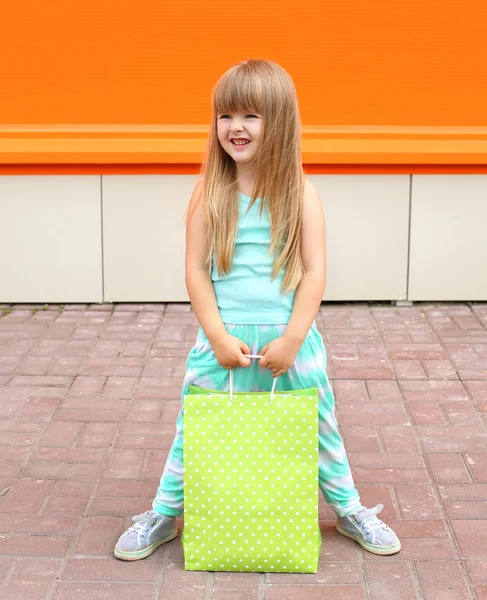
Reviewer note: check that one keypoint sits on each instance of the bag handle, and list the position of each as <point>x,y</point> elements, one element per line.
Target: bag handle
<point>231,379</point>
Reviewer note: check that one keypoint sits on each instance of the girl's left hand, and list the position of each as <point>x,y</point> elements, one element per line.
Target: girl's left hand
<point>279,355</point>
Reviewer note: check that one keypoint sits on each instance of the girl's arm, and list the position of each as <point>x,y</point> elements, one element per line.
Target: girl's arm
<point>198,280</point>
<point>310,290</point>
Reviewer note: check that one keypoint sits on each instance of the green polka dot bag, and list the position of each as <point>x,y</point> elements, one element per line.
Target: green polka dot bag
<point>251,481</point>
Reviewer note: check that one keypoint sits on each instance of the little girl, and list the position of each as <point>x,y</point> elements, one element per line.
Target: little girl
<point>255,274</point>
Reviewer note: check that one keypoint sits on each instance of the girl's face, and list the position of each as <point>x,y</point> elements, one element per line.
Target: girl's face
<point>240,135</point>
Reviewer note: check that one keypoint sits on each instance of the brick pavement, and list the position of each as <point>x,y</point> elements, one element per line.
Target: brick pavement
<point>88,399</point>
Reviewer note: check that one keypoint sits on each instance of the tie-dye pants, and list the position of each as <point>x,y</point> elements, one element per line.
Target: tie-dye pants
<point>308,371</point>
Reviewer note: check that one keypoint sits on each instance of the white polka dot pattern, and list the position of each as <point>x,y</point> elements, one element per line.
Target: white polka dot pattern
<point>251,482</point>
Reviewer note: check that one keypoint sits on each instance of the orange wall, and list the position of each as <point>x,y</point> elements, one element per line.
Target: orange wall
<point>392,62</point>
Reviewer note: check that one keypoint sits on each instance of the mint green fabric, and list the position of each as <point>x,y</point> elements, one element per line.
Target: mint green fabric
<point>251,475</point>
<point>247,294</point>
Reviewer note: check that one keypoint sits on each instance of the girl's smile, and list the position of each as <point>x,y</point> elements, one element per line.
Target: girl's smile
<point>240,134</point>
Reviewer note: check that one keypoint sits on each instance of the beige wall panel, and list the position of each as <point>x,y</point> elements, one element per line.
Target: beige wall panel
<point>448,238</point>
<point>144,237</point>
<point>367,221</point>
<point>50,239</point>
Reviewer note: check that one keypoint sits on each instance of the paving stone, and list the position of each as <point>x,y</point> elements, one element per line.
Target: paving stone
<point>110,569</point>
<point>361,438</point>
<point>36,569</point>
<point>462,413</point>
<point>416,352</point>
<point>477,390</point>
<point>101,590</point>
<point>98,435</point>
<point>408,369</point>
<point>308,592</point>
<point>384,391</point>
<point>420,529</point>
<point>399,438</point>
<point>232,581</point>
<point>119,387</point>
<point>18,439</point>
<point>471,536</point>
<point>390,475</point>
<point>329,573</point>
<point>426,413</point>
<point>432,390</point>
<point>336,547</point>
<point>389,584</point>
<point>477,570</point>
<point>179,584</point>
<point>154,465</point>
<point>119,507</point>
<point>362,369</point>
<point>71,455</point>
<point>23,590</point>
<point>38,409</point>
<point>13,426</point>
<point>124,464</point>
<point>26,496</point>
<point>61,434</point>
<point>417,501</point>
<point>467,491</point>
<point>477,462</point>
<point>350,391</point>
<point>146,410</point>
<point>88,415</point>
<point>243,594</point>
<point>420,549</point>
<point>98,535</point>
<point>466,509</point>
<point>38,524</point>
<point>34,365</point>
<point>41,381</point>
<point>69,365</point>
<point>69,497</point>
<point>6,563</point>
<point>448,468</point>
<point>439,369</point>
<point>21,545</point>
<point>372,494</point>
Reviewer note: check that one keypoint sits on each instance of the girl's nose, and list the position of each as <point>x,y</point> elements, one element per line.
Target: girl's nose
<point>236,125</point>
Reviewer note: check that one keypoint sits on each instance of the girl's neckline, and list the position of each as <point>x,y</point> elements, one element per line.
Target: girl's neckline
<point>247,198</point>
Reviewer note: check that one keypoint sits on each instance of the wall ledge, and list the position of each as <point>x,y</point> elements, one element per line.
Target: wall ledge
<point>185,145</point>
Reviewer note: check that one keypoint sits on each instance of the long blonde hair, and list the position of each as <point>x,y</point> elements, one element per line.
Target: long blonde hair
<point>265,88</point>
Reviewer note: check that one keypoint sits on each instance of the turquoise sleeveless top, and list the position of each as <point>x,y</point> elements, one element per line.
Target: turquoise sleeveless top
<point>246,295</point>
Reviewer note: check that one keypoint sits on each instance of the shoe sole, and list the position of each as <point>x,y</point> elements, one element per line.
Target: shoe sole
<point>139,554</point>
<point>382,550</point>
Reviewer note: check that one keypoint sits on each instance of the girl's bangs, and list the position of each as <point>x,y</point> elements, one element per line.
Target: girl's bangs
<point>235,93</point>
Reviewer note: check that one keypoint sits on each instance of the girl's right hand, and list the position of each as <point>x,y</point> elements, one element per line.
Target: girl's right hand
<point>229,351</point>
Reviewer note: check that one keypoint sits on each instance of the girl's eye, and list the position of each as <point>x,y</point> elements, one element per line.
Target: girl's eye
<point>250,116</point>
<point>225,117</point>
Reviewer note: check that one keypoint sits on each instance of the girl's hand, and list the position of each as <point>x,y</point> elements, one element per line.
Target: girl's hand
<point>229,352</point>
<point>279,355</point>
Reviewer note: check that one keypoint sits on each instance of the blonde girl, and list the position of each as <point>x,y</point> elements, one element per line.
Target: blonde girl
<point>255,274</point>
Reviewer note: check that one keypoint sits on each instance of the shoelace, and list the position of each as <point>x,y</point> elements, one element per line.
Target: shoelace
<point>142,524</point>
<point>371,523</point>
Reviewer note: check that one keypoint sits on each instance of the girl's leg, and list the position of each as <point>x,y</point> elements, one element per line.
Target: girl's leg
<point>203,370</point>
<point>335,478</point>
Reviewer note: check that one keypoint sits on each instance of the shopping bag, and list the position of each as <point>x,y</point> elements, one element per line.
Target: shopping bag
<point>251,481</point>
